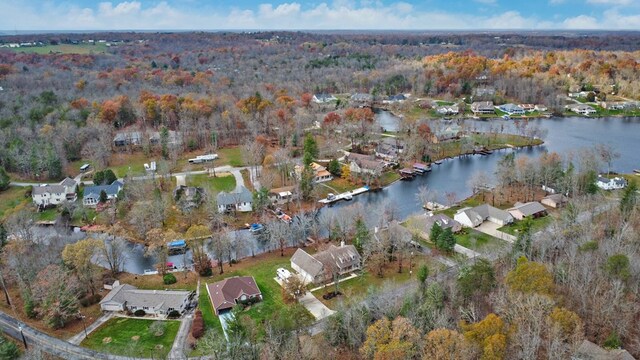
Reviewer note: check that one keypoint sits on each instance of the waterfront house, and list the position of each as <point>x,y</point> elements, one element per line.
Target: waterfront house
<point>190,197</point>
<point>540,108</point>
<point>616,183</point>
<point>91,195</point>
<point>124,138</point>
<point>320,173</point>
<point>228,293</point>
<point>124,297</point>
<point>364,164</point>
<point>582,109</point>
<point>528,107</point>
<point>443,220</point>
<point>511,109</point>
<point>532,209</point>
<point>483,108</point>
<point>554,200</point>
<point>283,195</point>
<point>389,148</point>
<point>235,201</point>
<point>445,132</point>
<point>325,265</point>
<point>45,195</point>
<point>323,98</point>
<point>448,109</point>
<point>473,217</point>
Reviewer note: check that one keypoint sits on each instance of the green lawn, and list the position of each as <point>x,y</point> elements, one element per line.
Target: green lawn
<point>64,49</point>
<point>475,240</point>
<point>119,336</point>
<point>48,215</point>
<point>388,177</point>
<point>536,225</point>
<point>213,185</point>
<point>230,156</point>
<point>12,199</point>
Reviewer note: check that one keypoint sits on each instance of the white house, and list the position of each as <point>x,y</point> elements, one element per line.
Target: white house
<point>472,217</point>
<point>324,265</point>
<point>512,109</point>
<point>581,109</point>
<point>323,98</point>
<point>124,297</point>
<point>448,109</point>
<point>45,195</point>
<point>616,183</point>
<point>236,201</point>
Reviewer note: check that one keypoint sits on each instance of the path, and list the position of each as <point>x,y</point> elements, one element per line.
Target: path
<point>239,180</point>
<point>491,229</point>
<point>180,342</point>
<point>311,303</point>
<point>329,187</point>
<point>465,251</point>
<point>77,338</point>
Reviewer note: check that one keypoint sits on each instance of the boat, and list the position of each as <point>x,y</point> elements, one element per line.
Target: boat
<point>348,197</point>
<point>256,228</point>
<point>438,162</point>
<point>177,247</point>
<point>420,168</point>
<point>506,117</point>
<point>637,171</point>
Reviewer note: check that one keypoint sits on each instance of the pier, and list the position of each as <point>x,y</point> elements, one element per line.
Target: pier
<point>344,196</point>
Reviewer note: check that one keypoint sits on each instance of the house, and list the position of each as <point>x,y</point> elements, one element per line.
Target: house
<point>581,109</point>
<point>323,98</point>
<point>554,200</point>
<point>472,217</point>
<point>443,220</point>
<point>362,99</point>
<point>174,138</point>
<point>235,201</point>
<point>447,109</point>
<point>483,107</point>
<point>320,173</point>
<point>394,99</point>
<point>228,293</point>
<point>92,193</point>
<point>389,148</point>
<point>580,94</point>
<point>364,164</point>
<point>591,351</point>
<point>532,209</point>
<point>283,195</point>
<point>125,138</point>
<point>190,197</point>
<point>528,107</point>
<point>511,109</point>
<point>124,297</point>
<point>45,195</point>
<point>325,265</point>
<point>616,183</point>
<point>540,108</point>
<point>448,131</point>
<point>484,92</point>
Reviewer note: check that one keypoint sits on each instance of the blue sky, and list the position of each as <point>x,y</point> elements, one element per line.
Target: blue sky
<point>319,14</point>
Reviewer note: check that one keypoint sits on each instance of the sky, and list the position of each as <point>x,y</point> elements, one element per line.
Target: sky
<point>319,15</point>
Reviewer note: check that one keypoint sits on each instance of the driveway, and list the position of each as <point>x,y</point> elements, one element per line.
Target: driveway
<point>225,318</point>
<point>315,306</point>
<point>490,228</point>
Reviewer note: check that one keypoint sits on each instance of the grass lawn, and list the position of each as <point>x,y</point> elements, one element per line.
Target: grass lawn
<point>338,184</point>
<point>12,199</point>
<point>536,225</point>
<point>475,240</point>
<point>125,336</point>
<point>64,49</point>
<point>48,215</point>
<point>470,202</point>
<point>388,177</point>
<point>213,185</point>
<point>230,156</point>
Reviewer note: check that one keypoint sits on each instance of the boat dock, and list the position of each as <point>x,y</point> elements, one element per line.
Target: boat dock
<point>344,196</point>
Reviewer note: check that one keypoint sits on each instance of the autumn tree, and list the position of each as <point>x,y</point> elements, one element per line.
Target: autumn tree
<point>78,257</point>
<point>201,260</point>
<point>293,289</point>
<point>490,335</point>
<point>114,253</point>
<point>387,340</point>
<point>55,292</point>
<point>445,344</point>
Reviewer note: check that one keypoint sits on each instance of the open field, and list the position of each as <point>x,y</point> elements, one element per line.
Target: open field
<point>132,337</point>
<point>213,185</point>
<point>64,49</point>
<point>230,156</point>
<point>12,199</point>
<point>477,241</point>
<point>536,225</point>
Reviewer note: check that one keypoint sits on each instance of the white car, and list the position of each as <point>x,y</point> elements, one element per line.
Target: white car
<point>283,274</point>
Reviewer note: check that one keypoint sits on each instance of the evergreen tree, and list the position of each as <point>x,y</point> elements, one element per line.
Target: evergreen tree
<point>334,167</point>
<point>446,240</point>
<point>436,230</point>
<point>103,196</point>
<point>108,177</point>
<point>310,149</point>
<point>362,235</point>
<point>4,179</point>
<point>629,199</point>
<point>98,178</point>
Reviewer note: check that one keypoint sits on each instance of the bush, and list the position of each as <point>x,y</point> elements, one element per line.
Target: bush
<point>90,300</point>
<point>139,312</point>
<point>207,271</point>
<point>8,349</point>
<point>169,279</point>
<point>174,314</point>
<point>30,308</point>
<point>197,330</point>
<point>613,341</point>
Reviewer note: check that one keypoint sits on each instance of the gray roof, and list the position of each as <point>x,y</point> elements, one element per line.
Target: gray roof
<point>361,97</point>
<point>530,208</point>
<point>132,136</point>
<point>591,351</point>
<point>225,198</point>
<point>68,182</point>
<point>443,220</point>
<point>487,105</point>
<point>365,161</point>
<point>54,189</point>
<point>159,299</point>
<point>111,190</point>
<point>340,257</point>
<point>307,262</point>
<point>511,107</point>
<point>487,211</point>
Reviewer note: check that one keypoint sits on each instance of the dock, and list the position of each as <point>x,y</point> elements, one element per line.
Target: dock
<point>420,168</point>
<point>345,196</point>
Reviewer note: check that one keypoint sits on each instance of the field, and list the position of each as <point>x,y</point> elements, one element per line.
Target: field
<point>536,225</point>
<point>63,49</point>
<point>475,240</point>
<point>230,156</point>
<point>213,185</point>
<point>132,337</point>
<point>12,199</point>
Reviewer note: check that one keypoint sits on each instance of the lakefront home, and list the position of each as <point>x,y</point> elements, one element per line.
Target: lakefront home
<point>235,201</point>
<point>364,164</point>
<point>511,109</point>
<point>125,297</point>
<point>91,195</point>
<point>483,108</point>
<point>581,109</point>
<point>324,265</point>
<point>473,217</point>
<point>45,195</point>
<point>616,183</point>
<point>228,293</point>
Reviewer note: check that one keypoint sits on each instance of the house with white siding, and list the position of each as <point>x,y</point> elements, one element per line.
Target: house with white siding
<point>45,195</point>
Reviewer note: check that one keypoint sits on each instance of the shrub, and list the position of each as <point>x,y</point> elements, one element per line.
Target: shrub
<point>139,312</point>
<point>174,314</point>
<point>207,271</point>
<point>613,341</point>
<point>30,308</point>
<point>169,279</point>
<point>197,330</point>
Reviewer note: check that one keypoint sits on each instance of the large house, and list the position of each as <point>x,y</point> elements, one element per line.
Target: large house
<point>581,109</point>
<point>511,109</point>
<point>323,98</point>
<point>325,265</point>
<point>364,164</point>
<point>320,173</point>
<point>446,132</point>
<point>443,220</point>
<point>124,297</point>
<point>483,107</point>
<point>472,217</point>
<point>91,195</point>
<point>283,195</point>
<point>228,293</point>
<point>45,195</point>
<point>527,210</point>
<point>448,109</point>
<point>125,138</point>
<point>362,99</point>
<point>389,148</point>
<point>235,201</point>
<point>616,183</point>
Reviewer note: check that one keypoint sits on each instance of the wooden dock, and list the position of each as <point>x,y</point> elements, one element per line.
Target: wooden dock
<point>345,196</point>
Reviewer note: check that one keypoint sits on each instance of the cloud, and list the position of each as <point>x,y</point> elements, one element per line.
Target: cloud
<point>338,14</point>
<point>486,2</point>
<point>610,2</point>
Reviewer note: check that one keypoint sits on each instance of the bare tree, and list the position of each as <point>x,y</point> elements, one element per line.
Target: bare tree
<point>114,253</point>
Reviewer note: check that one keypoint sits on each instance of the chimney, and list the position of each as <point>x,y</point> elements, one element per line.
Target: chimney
<point>342,243</point>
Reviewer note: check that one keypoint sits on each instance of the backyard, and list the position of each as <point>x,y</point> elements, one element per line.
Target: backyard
<point>481,242</point>
<point>536,225</point>
<point>134,337</point>
<point>213,185</point>
<point>12,199</point>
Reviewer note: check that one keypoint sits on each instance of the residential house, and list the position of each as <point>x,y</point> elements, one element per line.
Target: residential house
<point>174,138</point>
<point>448,109</point>
<point>235,201</point>
<point>484,92</point>
<point>190,197</point>
<point>228,293</point>
<point>591,351</point>
<point>581,109</point>
<point>124,297</point>
<point>472,217</point>
<point>45,195</point>
<point>540,108</point>
<point>362,99</point>
<point>554,200</point>
<point>389,148</point>
<point>325,265</point>
<point>364,164</point>
<point>616,183</point>
<point>528,107</point>
<point>395,99</point>
<point>532,209</point>
<point>320,173</point>
<point>445,132</point>
<point>124,138</point>
<point>283,195</point>
<point>91,195</point>
<point>580,94</point>
<point>483,108</point>
<point>443,220</point>
<point>323,98</point>
<point>511,109</point>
